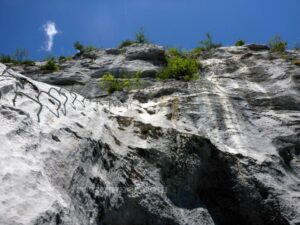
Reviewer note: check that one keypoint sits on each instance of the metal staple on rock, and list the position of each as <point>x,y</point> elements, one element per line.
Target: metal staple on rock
<point>20,85</point>
<point>20,94</point>
<point>84,98</point>
<point>64,110</point>
<point>74,99</point>
<point>21,82</point>
<point>83,105</point>
<point>4,71</point>
<point>57,100</point>
<point>36,99</point>
<point>9,74</point>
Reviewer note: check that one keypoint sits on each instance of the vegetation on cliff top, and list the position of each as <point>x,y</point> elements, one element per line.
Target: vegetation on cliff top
<point>240,43</point>
<point>181,65</point>
<point>276,44</point>
<point>50,66</point>
<point>19,57</point>
<point>140,38</point>
<point>83,49</point>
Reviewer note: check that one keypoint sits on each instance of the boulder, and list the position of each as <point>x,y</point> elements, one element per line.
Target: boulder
<point>146,52</point>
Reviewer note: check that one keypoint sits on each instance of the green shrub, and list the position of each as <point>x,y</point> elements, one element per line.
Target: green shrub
<point>195,53</point>
<point>17,58</point>
<point>61,58</point>
<point>89,48</point>
<point>6,59</point>
<point>180,69</point>
<point>240,43</point>
<point>111,84</point>
<point>28,63</point>
<point>137,80</point>
<point>127,83</point>
<point>140,37</point>
<point>296,62</point>
<point>208,44</point>
<point>276,44</point>
<point>65,58</point>
<point>175,52</point>
<point>79,47</point>
<point>83,49</point>
<point>50,66</point>
<point>126,43</point>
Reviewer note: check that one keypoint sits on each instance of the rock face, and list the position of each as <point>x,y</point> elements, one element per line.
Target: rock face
<point>82,73</point>
<point>220,150</point>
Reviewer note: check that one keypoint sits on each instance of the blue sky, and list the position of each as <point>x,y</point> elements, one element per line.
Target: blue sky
<point>180,23</point>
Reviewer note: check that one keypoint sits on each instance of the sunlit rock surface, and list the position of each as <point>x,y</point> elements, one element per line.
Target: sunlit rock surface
<point>220,150</point>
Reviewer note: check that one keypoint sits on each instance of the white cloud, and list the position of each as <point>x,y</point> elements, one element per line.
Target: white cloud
<point>50,31</point>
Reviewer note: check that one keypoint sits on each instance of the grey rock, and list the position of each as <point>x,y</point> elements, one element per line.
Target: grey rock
<point>93,54</point>
<point>257,47</point>
<point>220,150</point>
<point>62,78</point>
<point>147,52</point>
<point>113,51</point>
<point>86,69</point>
<point>121,68</point>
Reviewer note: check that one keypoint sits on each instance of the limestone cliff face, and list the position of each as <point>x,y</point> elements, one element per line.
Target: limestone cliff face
<point>220,150</point>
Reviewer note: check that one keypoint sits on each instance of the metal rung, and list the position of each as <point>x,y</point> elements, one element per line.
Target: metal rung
<point>23,94</point>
